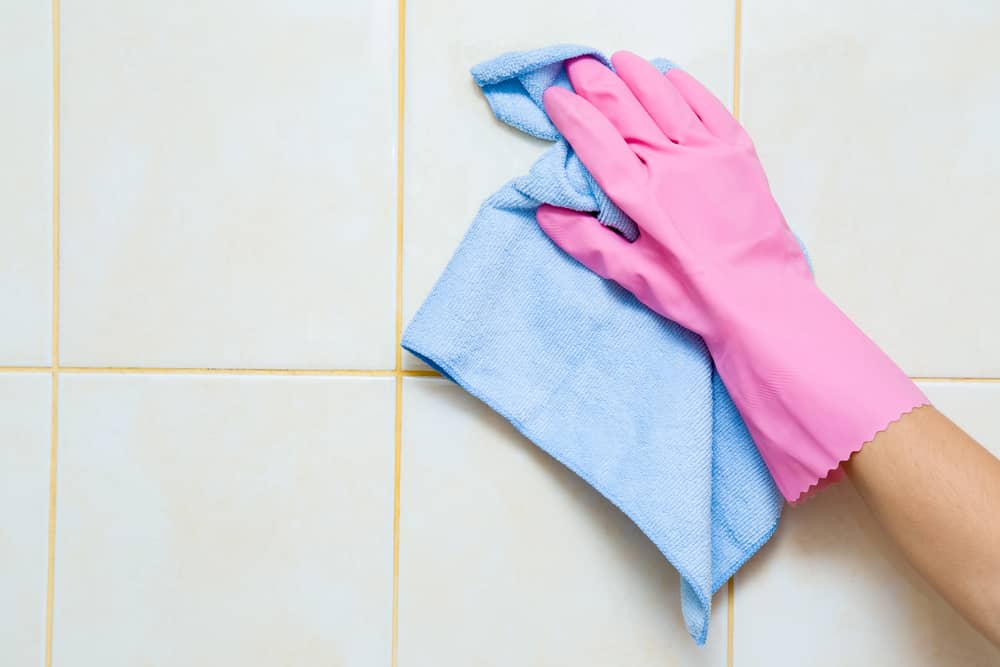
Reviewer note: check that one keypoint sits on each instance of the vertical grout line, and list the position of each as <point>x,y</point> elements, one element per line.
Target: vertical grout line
<point>395,518</point>
<point>54,426</point>
<point>51,570</point>
<point>400,97</point>
<point>55,184</point>
<point>737,58</point>
<point>399,373</point>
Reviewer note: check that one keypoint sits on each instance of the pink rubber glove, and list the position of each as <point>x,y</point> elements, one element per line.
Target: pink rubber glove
<point>715,255</point>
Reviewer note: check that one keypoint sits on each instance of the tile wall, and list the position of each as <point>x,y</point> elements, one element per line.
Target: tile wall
<point>215,218</point>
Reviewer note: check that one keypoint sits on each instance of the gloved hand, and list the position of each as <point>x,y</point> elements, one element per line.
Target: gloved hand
<point>715,255</point>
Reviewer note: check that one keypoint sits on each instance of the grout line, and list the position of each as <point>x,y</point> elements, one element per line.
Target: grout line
<point>737,72</point>
<point>400,127</point>
<point>153,370</point>
<point>141,370</point>
<point>51,556</point>
<point>730,613</point>
<point>333,372</point>
<point>181,370</point>
<point>55,185</point>
<point>54,426</point>
<point>399,372</point>
<point>953,379</point>
<point>397,467</point>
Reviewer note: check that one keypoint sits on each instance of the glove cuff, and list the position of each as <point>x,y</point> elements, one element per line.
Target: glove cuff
<point>811,387</point>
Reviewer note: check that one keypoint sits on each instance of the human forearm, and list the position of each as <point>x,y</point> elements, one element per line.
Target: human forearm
<point>936,492</point>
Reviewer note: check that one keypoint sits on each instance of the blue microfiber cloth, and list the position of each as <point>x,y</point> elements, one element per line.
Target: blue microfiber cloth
<point>626,399</point>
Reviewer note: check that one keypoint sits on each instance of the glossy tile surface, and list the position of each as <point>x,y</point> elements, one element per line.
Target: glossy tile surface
<point>228,187</point>
<point>876,122</point>
<point>457,154</point>
<point>227,199</point>
<point>224,521</point>
<point>25,428</point>
<point>832,587</point>
<point>25,183</point>
<point>507,558</point>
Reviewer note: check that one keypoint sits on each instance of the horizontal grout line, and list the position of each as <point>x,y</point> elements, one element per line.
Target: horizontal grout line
<point>151,370</point>
<point>954,379</point>
<point>331,372</point>
<point>139,370</point>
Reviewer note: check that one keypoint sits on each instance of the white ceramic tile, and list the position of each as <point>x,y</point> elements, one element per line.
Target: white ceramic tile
<point>228,183</point>
<point>25,422</point>
<point>224,521</point>
<point>507,558</point>
<point>25,183</point>
<point>831,589</point>
<point>457,154</point>
<point>876,122</point>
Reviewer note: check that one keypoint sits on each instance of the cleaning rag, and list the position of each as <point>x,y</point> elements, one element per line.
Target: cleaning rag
<point>624,398</point>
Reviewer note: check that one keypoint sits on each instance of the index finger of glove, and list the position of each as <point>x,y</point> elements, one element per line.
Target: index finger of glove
<point>602,149</point>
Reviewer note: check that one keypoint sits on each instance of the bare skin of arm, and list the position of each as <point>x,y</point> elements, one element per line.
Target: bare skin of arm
<point>936,492</point>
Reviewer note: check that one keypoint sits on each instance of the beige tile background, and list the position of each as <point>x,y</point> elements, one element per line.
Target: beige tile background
<point>26,183</point>
<point>25,419</point>
<point>244,184</point>
<point>253,198</point>
<point>211,520</point>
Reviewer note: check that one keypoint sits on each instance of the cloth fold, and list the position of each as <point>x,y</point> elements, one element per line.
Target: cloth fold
<point>624,398</point>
